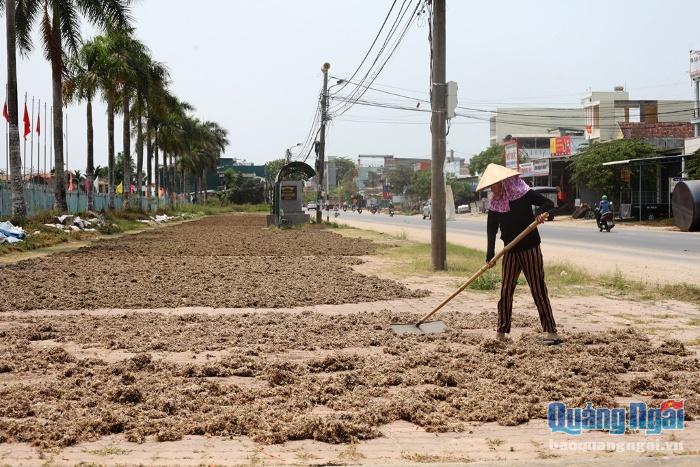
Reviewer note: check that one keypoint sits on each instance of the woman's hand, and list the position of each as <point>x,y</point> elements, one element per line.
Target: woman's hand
<point>542,217</point>
<point>491,263</point>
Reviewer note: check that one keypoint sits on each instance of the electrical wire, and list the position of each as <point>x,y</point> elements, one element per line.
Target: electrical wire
<point>376,37</point>
<point>359,91</point>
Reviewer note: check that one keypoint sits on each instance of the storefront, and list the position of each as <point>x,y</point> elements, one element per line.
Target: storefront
<point>647,185</point>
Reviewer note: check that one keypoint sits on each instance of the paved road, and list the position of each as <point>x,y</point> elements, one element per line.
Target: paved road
<point>640,250</point>
<point>685,244</point>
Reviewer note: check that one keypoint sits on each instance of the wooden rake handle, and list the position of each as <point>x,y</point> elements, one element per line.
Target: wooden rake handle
<point>482,270</point>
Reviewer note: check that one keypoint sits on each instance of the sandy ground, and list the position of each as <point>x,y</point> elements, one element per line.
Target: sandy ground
<point>322,383</point>
<point>638,266</point>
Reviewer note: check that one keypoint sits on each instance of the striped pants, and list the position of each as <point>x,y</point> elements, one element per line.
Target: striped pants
<point>531,264</point>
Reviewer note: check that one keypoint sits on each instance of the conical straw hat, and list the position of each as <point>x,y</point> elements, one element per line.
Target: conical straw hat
<point>494,173</point>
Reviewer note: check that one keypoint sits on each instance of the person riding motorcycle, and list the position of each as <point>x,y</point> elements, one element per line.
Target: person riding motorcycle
<point>602,207</point>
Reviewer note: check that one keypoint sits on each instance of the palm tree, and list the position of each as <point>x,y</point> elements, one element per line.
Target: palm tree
<point>82,84</point>
<point>19,208</point>
<point>106,72</point>
<point>155,97</point>
<point>152,83</point>
<point>205,143</point>
<point>170,137</point>
<point>60,29</point>
<point>128,58</point>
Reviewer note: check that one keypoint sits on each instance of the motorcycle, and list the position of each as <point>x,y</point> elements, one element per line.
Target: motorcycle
<point>391,212</point>
<point>373,210</point>
<point>345,209</point>
<point>605,220</point>
<point>336,213</point>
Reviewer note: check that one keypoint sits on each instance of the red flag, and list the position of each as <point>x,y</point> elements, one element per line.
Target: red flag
<point>27,122</point>
<point>38,125</point>
<point>5,113</point>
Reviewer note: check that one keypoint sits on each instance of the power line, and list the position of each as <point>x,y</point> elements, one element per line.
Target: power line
<point>360,90</point>
<point>386,18</point>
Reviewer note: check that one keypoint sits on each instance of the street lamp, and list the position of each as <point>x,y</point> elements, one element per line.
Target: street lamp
<point>288,152</point>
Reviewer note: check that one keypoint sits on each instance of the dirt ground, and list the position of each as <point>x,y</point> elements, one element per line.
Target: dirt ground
<point>226,261</point>
<point>198,361</point>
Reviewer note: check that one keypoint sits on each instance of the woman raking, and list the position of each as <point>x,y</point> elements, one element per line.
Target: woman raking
<point>510,210</point>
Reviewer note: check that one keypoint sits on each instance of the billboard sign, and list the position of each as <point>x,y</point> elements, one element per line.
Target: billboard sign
<point>560,146</point>
<point>695,64</point>
<point>540,167</point>
<point>511,154</point>
<point>527,169</point>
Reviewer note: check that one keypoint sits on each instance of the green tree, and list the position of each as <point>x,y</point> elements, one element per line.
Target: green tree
<point>401,178</point>
<point>82,83</point>
<point>421,184</point>
<point>232,179</point>
<point>273,167</point>
<point>343,167</point>
<point>493,155</point>
<point>119,169</point>
<point>693,166</point>
<point>461,191</point>
<point>587,167</point>
<point>60,30</point>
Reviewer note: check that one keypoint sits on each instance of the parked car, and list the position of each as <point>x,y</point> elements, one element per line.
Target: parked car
<point>463,208</point>
<point>311,206</point>
<point>548,192</point>
<point>427,211</point>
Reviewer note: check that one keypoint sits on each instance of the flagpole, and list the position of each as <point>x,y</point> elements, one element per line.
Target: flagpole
<point>45,141</point>
<point>24,160</point>
<point>38,138</point>
<point>31,145</point>
<point>66,151</point>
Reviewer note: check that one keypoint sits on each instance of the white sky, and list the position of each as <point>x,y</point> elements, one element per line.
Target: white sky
<point>254,66</point>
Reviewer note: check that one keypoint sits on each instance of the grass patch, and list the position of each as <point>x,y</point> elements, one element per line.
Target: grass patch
<point>694,322</point>
<point>563,279</point>
<point>40,236</point>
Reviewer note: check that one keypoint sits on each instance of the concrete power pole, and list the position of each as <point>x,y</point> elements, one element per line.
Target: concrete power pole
<point>438,128</point>
<point>322,142</point>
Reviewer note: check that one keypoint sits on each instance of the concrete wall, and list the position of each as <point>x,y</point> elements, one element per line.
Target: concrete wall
<point>675,111</point>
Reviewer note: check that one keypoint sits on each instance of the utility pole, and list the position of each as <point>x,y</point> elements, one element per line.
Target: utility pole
<point>322,143</point>
<point>438,128</point>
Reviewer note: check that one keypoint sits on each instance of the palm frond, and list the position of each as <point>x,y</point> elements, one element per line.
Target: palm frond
<point>26,15</point>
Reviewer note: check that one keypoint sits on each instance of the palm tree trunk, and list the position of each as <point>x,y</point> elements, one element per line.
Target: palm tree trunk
<point>57,88</point>
<point>149,160</point>
<point>110,152</point>
<point>165,173</point>
<point>126,151</point>
<point>204,186</point>
<point>195,197</point>
<point>172,180</point>
<point>185,182</point>
<point>19,208</point>
<point>156,172</point>
<point>90,156</point>
<point>139,156</point>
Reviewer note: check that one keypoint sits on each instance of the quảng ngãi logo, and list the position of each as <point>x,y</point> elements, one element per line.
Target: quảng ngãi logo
<point>670,415</point>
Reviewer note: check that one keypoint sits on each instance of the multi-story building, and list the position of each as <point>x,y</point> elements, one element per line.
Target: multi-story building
<point>604,110</point>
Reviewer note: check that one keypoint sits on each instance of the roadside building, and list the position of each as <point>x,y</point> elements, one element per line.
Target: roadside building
<point>604,110</point>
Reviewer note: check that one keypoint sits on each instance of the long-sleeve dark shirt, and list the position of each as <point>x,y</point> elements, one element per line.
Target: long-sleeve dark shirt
<point>515,221</point>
